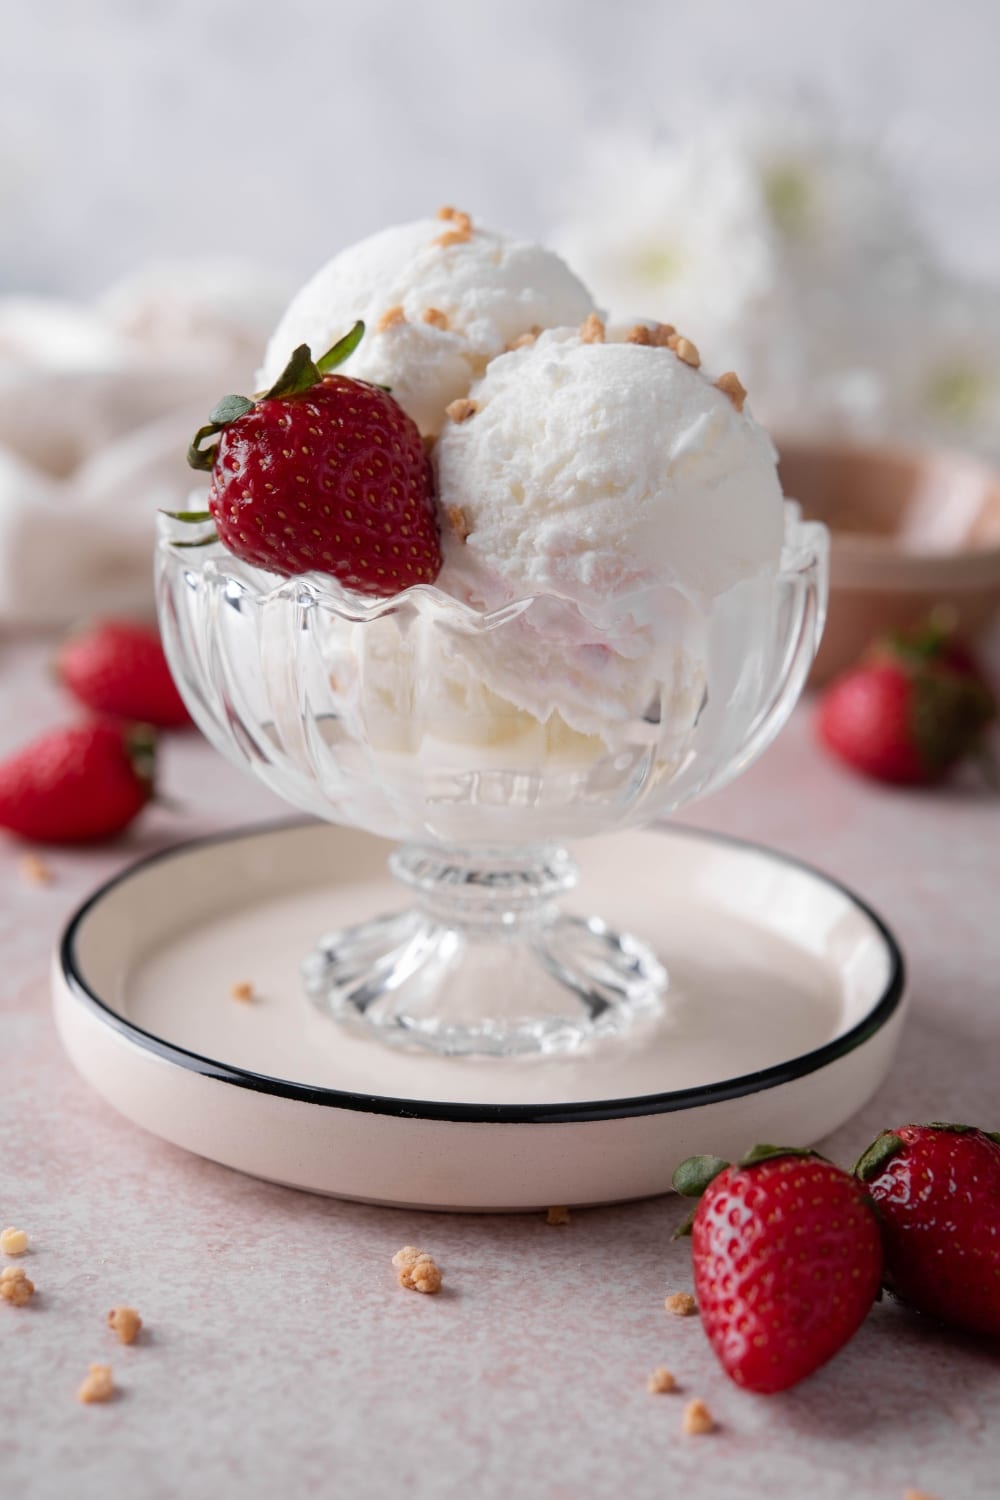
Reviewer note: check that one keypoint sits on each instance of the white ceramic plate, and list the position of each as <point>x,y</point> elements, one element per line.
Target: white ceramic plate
<point>786,1000</point>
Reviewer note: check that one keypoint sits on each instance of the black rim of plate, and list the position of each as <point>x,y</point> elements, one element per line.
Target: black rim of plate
<point>576,1112</point>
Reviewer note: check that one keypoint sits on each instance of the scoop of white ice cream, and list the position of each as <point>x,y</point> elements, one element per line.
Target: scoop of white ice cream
<point>451,308</point>
<point>605,473</point>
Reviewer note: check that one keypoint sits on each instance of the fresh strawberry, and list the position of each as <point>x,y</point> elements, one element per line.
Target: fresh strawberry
<point>78,784</point>
<point>117,667</point>
<point>322,473</point>
<point>787,1261</point>
<point>937,1190</point>
<point>913,708</point>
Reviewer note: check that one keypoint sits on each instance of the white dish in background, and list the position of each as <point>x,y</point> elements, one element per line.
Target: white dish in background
<point>785,1005</point>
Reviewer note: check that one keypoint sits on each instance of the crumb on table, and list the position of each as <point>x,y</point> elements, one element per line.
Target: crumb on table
<point>681,1304</point>
<point>242,990</point>
<point>560,1215</point>
<point>417,1270</point>
<point>661,1381</point>
<point>124,1321</point>
<point>697,1418</point>
<point>15,1286</point>
<point>13,1242</point>
<point>98,1385</point>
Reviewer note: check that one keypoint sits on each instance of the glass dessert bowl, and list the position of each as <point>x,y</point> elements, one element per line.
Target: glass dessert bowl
<point>405,717</point>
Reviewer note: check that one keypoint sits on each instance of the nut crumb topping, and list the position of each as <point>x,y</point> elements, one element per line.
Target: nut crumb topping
<point>660,1381</point>
<point>461,228</point>
<point>698,1418</point>
<point>391,318</point>
<point>558,1216</point>
<point>124,1321</point>
<point>417,1270</point>
<point>98,1385</point>
<point>592,329</point>
<point>662,334</point>
<point>447,212</point>
<point>523,340</point>
<point>732,386</point>
<point>681,1304</point>
<point>15,1286</point>
<point>13,1242</point>
<point>684,349</point>
<point>917,1495</point>
<point>458,520</point>
<point>436,318</point>
<point>242,990</point>
<point>462,409</point>
<point>34,870</point>
<point>640,334</point>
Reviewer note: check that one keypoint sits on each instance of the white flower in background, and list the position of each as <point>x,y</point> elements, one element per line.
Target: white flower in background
<point>786,251</point>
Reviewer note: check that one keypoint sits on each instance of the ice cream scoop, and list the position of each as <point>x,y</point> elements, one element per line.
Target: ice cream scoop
<point>439,298</point>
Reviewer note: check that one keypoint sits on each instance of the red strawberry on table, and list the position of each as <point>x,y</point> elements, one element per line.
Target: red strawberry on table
<point>913,708</point>
<point>78,784</point>
<point>787,1261</point>
<point>937,1190</point>
<point>322,473</point>
<point>117,667</point>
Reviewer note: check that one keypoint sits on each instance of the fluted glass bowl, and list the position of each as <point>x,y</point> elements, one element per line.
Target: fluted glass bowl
<point>408,717</point>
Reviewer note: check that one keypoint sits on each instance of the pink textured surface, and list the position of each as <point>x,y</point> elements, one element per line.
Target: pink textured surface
<point>279,1356</point>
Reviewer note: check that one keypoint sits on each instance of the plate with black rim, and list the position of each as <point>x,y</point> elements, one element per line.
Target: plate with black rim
<point>786,998</point>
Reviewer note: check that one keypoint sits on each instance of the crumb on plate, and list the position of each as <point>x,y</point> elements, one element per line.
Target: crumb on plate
<point>13,1242</point>
<point>97,1386</point>
<point>681,1304</point>
<point>35,871</point>
<point>417,1270</point>
<point>660,1381</point>
<point>15,1286</point>
<point>124,1321</point>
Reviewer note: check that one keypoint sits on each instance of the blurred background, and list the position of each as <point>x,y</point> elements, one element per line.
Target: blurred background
<point>812,192</point>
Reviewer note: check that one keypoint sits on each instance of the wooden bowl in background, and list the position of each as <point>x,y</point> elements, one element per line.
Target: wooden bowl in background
<point>910,530</point>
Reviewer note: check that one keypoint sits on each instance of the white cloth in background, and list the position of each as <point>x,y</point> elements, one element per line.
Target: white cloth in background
<point>97,406</point>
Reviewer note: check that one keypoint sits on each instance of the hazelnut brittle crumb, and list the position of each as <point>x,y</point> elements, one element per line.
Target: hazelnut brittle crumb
<point>732,386</point>
<point>242,990</point>
<point>15,1286</point>
<point>417,1270</point>
<point>917,1495</point>
<point>34,870</point>
<point>558,1215</point>
<point>461,409</point>
<point>662,334</point>
<point>681,1304</point>
<point>124,1321</point>
<point>684,349</point>
<point>592,329</point>
<point>698,1418</point>
<point>640,334</point>
<point>435,317</point>
<point>13,1242</point>
<point>98,1385</point>
<point>459,522</point>
<point>660,1381</point>
<point>391,318</point>
<point>523,340</point>
<point>461,228</point>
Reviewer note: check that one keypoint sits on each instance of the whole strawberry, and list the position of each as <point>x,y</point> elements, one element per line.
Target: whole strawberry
<point>322,473</point>
<point>78,784</point>
<point>913,708</point>
<point>117,667</point>
<point>937,1190</point>
<point>787,1261</point>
